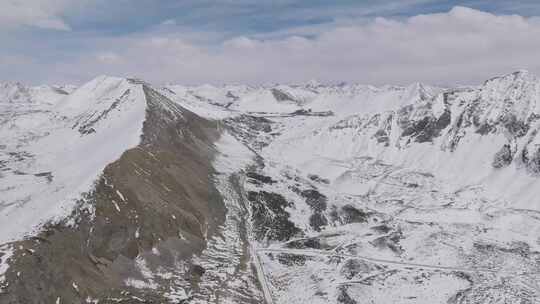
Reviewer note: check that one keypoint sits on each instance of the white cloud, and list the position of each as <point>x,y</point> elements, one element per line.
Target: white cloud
<point>457,47</point>
<point>168,22</point>
<point>37,13</point>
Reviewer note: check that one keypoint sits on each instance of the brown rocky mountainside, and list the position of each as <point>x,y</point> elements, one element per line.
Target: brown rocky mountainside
<point>159,196</point>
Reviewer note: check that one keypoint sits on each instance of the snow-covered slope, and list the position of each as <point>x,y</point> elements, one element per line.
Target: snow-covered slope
<point>472,135</point>
<point>322,193</point>
<point>55,150</point>
<point>17,93</point>
<point>283,99</point>
<point>485,135</point>
<point>390,194</point>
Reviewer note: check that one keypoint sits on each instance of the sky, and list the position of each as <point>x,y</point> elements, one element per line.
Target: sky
<point>261,41</point>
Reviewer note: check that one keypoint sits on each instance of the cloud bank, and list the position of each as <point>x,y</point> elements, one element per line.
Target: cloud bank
<point>460,46</point>
<point>45,14</point>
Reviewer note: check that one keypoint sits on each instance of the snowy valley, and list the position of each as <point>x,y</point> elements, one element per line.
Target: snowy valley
<point>119,191</point>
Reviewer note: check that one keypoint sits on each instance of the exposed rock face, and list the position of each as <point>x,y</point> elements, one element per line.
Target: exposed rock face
<point>281,96</point>
<point>158,197</point>
<point>532,160</point>
<point>503,157</point>
<point>429,127</point>
<point>252,128</point>
<point>271,220</point>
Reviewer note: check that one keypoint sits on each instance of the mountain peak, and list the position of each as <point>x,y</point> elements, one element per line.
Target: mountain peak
<point>313,83</point>
<point>418,91</point>
<point>18,93</point>
<point>519,75</point>
<point>103,77</point>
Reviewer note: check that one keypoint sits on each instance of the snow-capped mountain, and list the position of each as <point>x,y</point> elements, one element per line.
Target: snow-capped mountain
<point>122,192</point>
<point>482,135</point>
<point>49,159</point>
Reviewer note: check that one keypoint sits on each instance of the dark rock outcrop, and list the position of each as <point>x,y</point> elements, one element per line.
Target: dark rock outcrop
<point>270,219</point>
<point>503,157</point>
<point>157,196</point>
